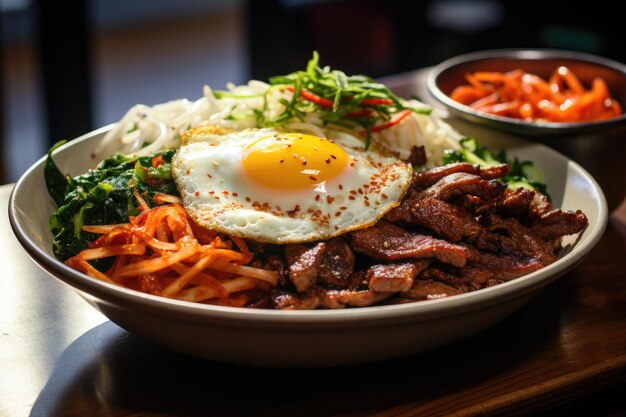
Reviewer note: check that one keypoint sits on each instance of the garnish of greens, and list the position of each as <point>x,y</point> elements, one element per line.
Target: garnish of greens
<point>521,173</point>
<point>104,195</point>
<point>350,101</point>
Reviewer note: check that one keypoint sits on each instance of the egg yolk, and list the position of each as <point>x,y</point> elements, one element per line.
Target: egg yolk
<point>293,160</point>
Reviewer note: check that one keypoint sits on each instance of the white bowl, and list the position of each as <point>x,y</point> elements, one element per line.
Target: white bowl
<point>305,338</point>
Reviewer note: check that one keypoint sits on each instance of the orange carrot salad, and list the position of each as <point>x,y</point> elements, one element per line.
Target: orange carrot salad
<point>161,252</point>
<point>521,95</point>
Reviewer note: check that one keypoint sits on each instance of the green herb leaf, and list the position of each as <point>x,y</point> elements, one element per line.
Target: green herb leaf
<point>57,183</point>
<point>104,195</point>
<point>324,85</point>
<point>521,173</point>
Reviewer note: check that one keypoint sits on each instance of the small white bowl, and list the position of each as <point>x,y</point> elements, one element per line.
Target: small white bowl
<point>542,62</point>
<point>304,338</point>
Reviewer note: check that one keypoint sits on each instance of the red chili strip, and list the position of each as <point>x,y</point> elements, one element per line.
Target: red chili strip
<point>324,102</point>
<point>376,102</point>
<point>314,98</point>
<point>359,113</point>
<point>397,118</point>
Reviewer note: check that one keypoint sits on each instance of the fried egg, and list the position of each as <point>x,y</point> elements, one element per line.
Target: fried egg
<point>277,186</point>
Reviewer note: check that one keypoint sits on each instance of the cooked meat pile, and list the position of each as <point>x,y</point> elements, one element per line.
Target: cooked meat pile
<point>458,229</point>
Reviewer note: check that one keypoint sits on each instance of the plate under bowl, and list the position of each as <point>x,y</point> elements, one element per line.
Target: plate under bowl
<point>303,338</point>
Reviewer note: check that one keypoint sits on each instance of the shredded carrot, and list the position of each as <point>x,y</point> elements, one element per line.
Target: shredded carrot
<point>142,203</point>
<point>160,198</point>
<point>101,229</point>
<point>522,95</point>
<point>159,252</point>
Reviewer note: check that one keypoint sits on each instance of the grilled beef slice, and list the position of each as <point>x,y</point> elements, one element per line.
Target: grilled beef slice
<point>388,242</point>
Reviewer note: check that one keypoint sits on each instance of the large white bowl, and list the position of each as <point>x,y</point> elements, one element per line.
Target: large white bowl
<point>305,338</point>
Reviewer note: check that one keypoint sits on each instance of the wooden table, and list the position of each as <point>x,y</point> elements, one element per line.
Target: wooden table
<point>563,351</point>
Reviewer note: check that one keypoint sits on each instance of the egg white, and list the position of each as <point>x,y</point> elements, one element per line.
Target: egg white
<point>218,195</point>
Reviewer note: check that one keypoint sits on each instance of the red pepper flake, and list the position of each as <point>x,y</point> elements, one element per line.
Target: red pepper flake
<point>327,160</point>
<point>366,197</point>
<point>157,161</point>
<point>209,175</point>
<point>352,192</point>
<point>187,172</point>
<point>333,156</point>
<point>235,194</point>
<point>292,213</point>
<point>383,195</point>
<point>312,178</point>
<point>329,199</point>
<point>343,208</point>
<point>367,203</point>
<point>340,187</point>
<point>282,160</point>
<point>225,192</point>
<point>353,164</point>
<point>217,198</point>
<point>351,197</point>
<point>317,197</point>
<point>211,192</point>
<point>360,191</point>
<point>338,214</point>
<point>248,199</point>
<point>303,160</point>
<point>197,193</point>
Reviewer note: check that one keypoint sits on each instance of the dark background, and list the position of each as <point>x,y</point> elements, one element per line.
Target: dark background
<point>70,66</point>
<point>383,37</point>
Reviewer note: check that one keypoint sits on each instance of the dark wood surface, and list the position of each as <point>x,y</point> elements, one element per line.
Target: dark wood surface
<point>563,351</point>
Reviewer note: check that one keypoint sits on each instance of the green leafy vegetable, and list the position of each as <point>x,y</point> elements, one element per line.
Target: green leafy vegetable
<point>521,173</point>
<point>349,101</point>
<point>58,184</point>
<point>103,195</point>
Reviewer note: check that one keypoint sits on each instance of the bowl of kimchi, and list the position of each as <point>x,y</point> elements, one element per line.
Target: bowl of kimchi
<point>533,92</point>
